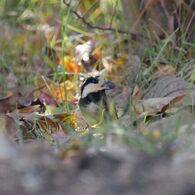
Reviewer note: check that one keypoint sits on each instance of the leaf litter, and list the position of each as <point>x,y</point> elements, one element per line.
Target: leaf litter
<point>149,103</point>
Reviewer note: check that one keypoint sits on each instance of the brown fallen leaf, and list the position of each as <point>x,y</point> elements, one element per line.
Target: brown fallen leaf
<point>10,127</point>
<point>17,97</point>
<point>166,86</point>
<point>153,106</point>
<point>5,95</point>
<point>6,103</point>
<point>30,109</point>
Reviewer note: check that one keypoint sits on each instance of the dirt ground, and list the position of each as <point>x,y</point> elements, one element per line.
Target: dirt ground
<point>35,169</point>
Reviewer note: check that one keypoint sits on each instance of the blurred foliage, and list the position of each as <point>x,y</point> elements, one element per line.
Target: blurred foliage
<point>40,37</point>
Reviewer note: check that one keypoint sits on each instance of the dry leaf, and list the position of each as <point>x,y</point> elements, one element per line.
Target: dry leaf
<point>63,90</point>
<point>166,86</point>
<point>57,91</point>
<point>6,103</point>
<point>5,95</point>
<point>10,127</point>
<point>69,65</point>
<point>54,123</point>
<point>153,106</point>
<point>47,99</point>
<point>30,109</point>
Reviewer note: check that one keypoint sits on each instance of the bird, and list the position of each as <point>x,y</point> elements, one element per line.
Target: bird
<point>94,103</point>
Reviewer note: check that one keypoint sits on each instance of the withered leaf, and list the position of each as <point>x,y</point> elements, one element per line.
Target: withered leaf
<point>153,106</point>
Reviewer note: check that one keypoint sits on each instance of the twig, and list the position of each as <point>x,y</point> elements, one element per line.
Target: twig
<point>100,27</point>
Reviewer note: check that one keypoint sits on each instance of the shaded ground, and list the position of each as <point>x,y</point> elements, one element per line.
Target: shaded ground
<point>34,169</point>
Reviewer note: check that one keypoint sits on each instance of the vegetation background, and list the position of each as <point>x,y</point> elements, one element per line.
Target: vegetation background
<point>146,47</point>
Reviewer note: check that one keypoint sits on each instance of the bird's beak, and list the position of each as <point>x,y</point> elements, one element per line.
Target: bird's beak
<point>107,85</point>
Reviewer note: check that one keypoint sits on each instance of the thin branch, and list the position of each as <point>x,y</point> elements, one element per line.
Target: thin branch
<point>100,27</point>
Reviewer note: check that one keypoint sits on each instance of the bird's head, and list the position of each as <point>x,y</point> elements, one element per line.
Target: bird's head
<point>93,100</point>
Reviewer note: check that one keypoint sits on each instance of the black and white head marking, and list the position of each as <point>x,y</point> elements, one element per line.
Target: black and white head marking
<point>88,81</point>
<point>91,92</point>
<point>95,84</point>
<point>93,102</point>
